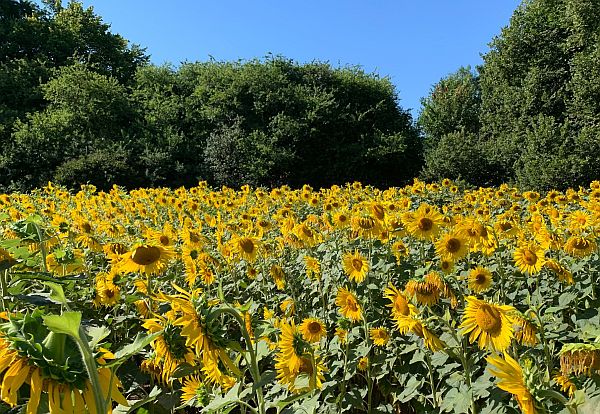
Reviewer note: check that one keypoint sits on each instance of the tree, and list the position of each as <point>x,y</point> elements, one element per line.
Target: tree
<point>452,105</point>
<point>540,87</point>
<point>87,112</point>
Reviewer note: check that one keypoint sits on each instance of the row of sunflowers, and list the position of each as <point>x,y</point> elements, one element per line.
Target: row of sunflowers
<point>427,298</point>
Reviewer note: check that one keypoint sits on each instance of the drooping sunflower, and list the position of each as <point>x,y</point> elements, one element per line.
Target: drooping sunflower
<point>348,303</point>
<point>510,376</point>
<point>355,265</point>
<point>480,279</point>
<point>366,226</point>
<point>380,336</point>
<point>399,303</point>
<point>564,275</point>
<point>580,246</point>
<point>525,329</point>
<point>489,324</point>
<point>414,324</point>
<point>565,383</point>
<point>312,329</point>
<point>529,258</point>
<point>452,246</point>
<point>424,293</point>
<point>580,358</point>
<point>147,259</point>
<point>170,346</point>
<point>68,388</point>
<point>107,293</point>
<point>278,276</point>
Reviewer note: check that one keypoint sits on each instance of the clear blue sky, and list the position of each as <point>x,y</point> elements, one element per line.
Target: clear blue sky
<point>414,42</point>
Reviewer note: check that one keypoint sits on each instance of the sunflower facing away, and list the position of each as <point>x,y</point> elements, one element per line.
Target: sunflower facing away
<point>510,376</point>
<point>489,324</point>
<point>356,266</point>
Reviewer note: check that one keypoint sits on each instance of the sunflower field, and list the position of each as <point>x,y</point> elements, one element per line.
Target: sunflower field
<point>422,299</point>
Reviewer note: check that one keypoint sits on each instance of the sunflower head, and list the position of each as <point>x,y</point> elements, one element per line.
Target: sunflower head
<point>489,324</point>
<point>480,279</point>
<point>312,329</point>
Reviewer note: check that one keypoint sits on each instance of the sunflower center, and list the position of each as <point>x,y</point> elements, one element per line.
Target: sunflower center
<point>86,227</point>
<point>488,319</point>
<point>342,218</point>
<point>580,244</point>
<point>164,240</point>
<point>306,366</point>
<point>314,327</point>
<point>145,255</point>
<point>307,232</point>
<point>505,226</point>
<point>453,245</point>
<point>530,257</point>
<point>351,304</point>
<point>357,264</point>
<point>401,305</point>
<point>378,211</point>
<point>425,224</point>
<point>247,245</point>
<point>366,223</point>
<point>480,278</point>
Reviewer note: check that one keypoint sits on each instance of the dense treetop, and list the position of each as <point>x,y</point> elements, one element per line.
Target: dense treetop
<point>79,104</point>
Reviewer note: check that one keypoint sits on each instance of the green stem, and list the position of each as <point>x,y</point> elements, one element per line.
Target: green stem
<point>91,367</point>
<point>42,247</point>
<point>343,390</point>
<point>3,290</point>
<point>431,380</point>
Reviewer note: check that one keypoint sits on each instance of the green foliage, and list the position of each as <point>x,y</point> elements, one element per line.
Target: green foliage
<point>452,105</point>
<point>459,156</point>
<point>539,92</point>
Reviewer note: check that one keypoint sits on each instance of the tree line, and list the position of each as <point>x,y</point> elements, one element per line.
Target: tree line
<point>81,104</point>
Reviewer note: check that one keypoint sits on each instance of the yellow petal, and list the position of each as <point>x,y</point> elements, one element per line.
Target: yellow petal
<point>88,396</point>
<point>36,383</point>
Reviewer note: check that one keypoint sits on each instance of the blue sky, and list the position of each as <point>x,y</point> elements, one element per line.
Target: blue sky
<point>414,42</point>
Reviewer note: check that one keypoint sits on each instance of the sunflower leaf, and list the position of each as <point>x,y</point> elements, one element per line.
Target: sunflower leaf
<point>67,323</point>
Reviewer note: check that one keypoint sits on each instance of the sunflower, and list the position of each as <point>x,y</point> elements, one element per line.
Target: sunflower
<point>165,237</point>
<point>278,276</point>
<point>107,293</point>
<point>363,363</point>
<point>355,265</point>
<point>366,226</point>
<point>246,247</point>
<point>380,336</point>
<point>488,323</point>
<point>529,258</point>
<point>579,246</point>
<point>63,262</point>
<point>424,293</point>
<point>565,383</point>
<point>348,304</point>
<point>170,346</point>
<point>424,223</point>
<point>293,359</point>
<point>147,259</point>
<point>580,358</point>
<point>564,275</point>
<point>510,375</point>
<point>342,335</point>
<point>451,246</point>
<point>312,329</point>
<point>525,329</point>
<point>67,387</point>
<point>194,392</point>
<point>399,304</point>
<point>412,323</point>
<point>313,267</point>
<point>480,279</point>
